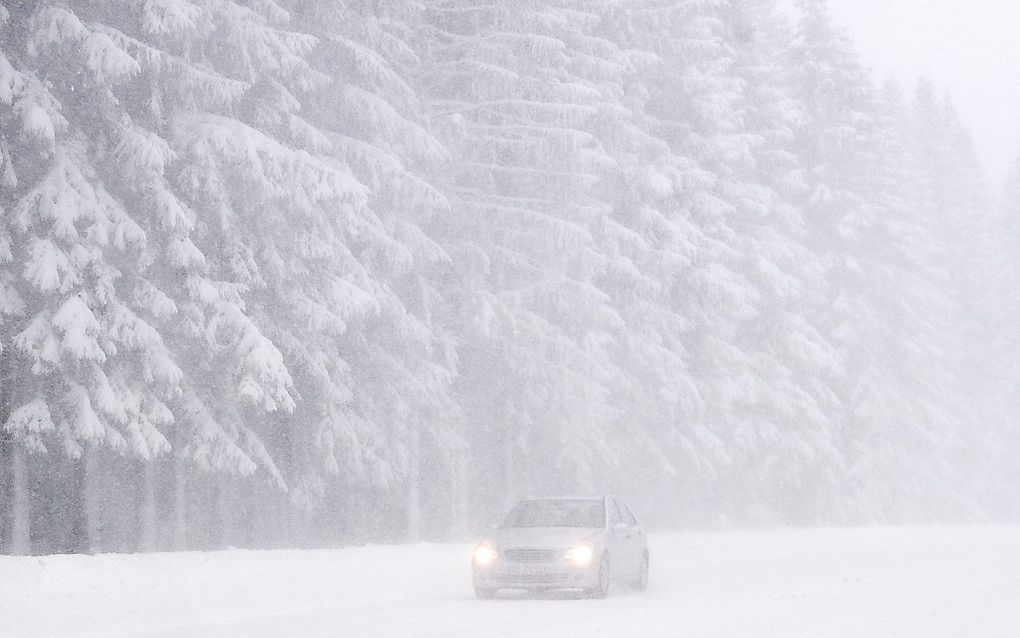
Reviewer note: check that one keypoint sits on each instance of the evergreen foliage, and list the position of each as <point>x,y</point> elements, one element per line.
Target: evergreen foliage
<point>283,272</point>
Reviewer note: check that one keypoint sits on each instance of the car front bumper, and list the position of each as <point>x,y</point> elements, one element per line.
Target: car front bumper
<point>559,575</point>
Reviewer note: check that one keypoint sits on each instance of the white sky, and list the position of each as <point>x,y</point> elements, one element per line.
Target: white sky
<point>970,48</point>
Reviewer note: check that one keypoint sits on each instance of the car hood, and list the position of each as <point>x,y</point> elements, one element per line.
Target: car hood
<point>543,536</point>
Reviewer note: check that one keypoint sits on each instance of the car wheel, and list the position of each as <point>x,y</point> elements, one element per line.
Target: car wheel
<point>602,589</point>
<point>482,593</point>
<point>641,584</point>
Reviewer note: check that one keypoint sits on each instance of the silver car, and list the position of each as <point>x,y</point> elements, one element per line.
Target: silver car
<point>563,543</point>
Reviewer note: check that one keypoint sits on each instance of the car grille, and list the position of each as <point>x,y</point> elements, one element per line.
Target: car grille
<point>530,555</point>
<point>534,579</point>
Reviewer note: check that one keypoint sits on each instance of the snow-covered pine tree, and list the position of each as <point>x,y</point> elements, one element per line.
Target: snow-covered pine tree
<point>290,226</point>
<point>646,250</point>
<point>25,107</point>
<point>885,310</point>
<point>145,91</point>
<point>400,426</point>
<point>195,302</point>
<point>920,399</point>
<point>98,372</point>
<point>960,218</point>
<point>999,399</point>
<point>516,96</point>
<point>787,459</point>
<point>834,144</point>
<point>725,221</point>
<point>254,253</point>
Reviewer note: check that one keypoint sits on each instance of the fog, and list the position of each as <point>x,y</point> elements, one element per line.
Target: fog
<point>303,274</point>
<point>967,50</point>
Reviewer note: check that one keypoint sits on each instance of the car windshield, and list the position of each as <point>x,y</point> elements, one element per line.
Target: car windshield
<point>557,513</point>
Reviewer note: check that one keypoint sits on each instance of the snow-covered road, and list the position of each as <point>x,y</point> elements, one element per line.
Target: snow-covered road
<point>916,582</point>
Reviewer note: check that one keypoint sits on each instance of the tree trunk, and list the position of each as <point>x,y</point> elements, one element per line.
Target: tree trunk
<point>150,539</point>
<point>414,484</point>
<point>224,519</point>
<point>295,533</point>
<point>180,522</point>
<point>20,542</point>
<point>92,501</point>
<point>459,498</point>
<point>509,471</point>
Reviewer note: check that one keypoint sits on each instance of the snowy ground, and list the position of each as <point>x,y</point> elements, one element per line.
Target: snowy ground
<point>938,581</point>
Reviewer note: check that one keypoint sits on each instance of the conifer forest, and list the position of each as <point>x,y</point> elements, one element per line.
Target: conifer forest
<point>290,273</point>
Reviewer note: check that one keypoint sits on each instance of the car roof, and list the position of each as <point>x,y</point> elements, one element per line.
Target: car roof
<point>585,497</point>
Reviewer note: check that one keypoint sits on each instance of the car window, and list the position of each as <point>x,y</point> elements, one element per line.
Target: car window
<point>615,515</point>
<point>557,513</point>
<point>627,514</point>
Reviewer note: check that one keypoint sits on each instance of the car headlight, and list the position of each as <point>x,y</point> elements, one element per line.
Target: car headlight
<point>485,555</point>
<point>582,555</point>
